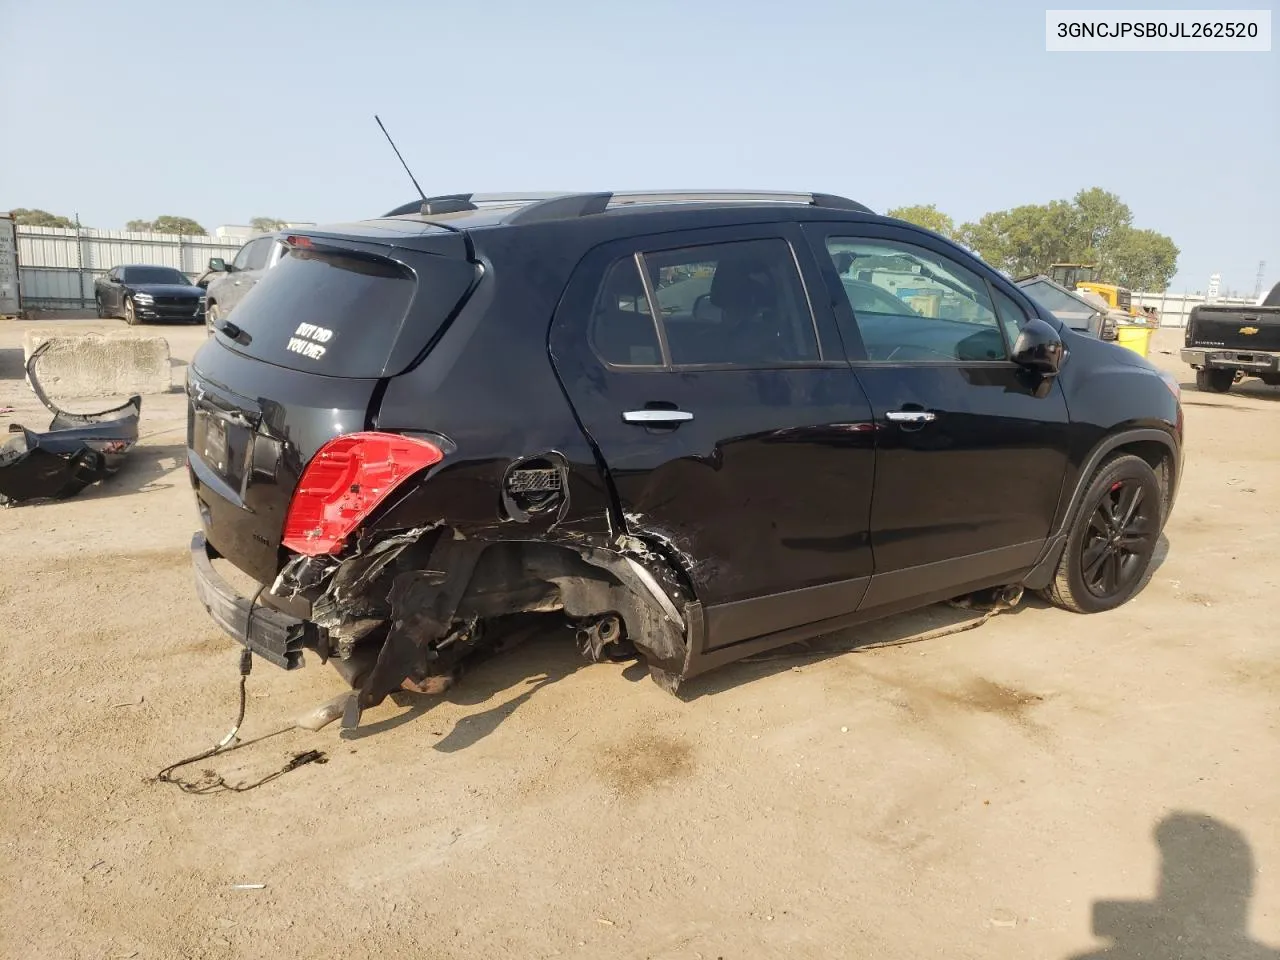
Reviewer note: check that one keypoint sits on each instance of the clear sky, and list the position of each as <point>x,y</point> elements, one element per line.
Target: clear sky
<point>227,110</point>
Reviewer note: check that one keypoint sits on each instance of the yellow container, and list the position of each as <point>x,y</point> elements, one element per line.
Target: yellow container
<point>1135,337</point>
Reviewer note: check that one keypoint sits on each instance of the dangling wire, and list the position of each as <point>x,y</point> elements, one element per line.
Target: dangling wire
<point>225,744</point>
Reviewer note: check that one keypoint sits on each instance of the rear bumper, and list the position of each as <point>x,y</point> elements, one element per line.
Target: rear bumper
<point>1256,360</point>
<point>272,635</point>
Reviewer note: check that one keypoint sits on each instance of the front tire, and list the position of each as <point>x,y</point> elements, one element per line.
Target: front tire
<point>97,305</point>
<point>130,315</point>
<point>1112,538</point>
<point>1209,380</point>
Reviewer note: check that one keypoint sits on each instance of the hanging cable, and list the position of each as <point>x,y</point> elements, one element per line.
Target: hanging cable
<point>225,745</point>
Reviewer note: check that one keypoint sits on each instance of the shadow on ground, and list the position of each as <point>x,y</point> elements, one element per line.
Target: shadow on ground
<point>1253,389</point>
<point>11,365</point>
<point>535,650</point>
<point>1201,907</point>
<point>533,653</point>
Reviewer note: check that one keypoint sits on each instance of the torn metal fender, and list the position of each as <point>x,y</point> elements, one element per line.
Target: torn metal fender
<point>77,450</point>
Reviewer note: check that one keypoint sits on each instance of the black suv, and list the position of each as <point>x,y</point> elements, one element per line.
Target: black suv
<point>694,425</point>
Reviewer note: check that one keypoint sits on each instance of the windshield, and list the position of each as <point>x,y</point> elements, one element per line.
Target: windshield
<point>153,275</point>
<point>1074,313</point>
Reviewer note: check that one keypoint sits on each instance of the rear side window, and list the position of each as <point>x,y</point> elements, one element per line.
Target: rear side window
<point>622,329</point>
<point>347,315</point>
<point>727,304</point>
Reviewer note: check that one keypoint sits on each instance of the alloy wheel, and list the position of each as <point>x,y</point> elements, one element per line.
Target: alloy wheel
<point>1122,533</point>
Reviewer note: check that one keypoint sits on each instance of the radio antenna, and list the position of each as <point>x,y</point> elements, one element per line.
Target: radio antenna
<point>401,159</point>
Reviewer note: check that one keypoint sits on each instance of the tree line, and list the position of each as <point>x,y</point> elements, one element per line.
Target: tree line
<point>1093,227</point>
<point>165,224</point>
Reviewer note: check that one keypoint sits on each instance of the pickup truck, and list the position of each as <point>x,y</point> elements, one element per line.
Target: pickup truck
<point>1228,343</point>
<point>227,283</point>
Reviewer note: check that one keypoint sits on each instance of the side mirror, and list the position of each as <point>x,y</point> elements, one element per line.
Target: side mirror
<point>1039,348</point>
<point>217,264</point>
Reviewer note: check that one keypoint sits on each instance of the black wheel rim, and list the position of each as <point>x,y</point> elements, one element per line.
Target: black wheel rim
<point>1121,536</point>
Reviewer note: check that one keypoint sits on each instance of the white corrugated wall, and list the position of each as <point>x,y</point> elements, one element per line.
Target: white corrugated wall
<point>57,265</point>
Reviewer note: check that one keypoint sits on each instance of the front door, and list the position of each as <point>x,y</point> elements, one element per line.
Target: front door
<point>971,448</point>
<point>734,431</point>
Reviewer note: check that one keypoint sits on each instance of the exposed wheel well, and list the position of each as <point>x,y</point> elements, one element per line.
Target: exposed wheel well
<point>1159,458</point>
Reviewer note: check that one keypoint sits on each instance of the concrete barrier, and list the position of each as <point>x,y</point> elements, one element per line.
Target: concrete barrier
<point>97,365</point>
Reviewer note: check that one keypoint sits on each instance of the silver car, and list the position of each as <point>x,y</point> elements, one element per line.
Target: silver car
<point>228,283</point>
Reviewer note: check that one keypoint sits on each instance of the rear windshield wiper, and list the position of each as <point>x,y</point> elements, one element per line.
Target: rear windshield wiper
<point>229,329</point>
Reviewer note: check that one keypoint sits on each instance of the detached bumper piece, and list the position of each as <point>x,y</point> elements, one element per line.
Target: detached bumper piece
<point>272,635</point>
<point>77,450</point>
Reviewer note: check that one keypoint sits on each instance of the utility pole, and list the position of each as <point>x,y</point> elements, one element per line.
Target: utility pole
<point>1257,287</point>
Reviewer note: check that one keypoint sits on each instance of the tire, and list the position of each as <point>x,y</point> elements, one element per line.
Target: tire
<point>97,304</point>
<point>212,317</point>
<point>130,315</point>
<point>1209,380</point>
<point>1270,379</point>
<point>1106,558</point>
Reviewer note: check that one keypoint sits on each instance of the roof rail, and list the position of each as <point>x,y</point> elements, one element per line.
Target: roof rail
<point>459,202</point>
<point>568,206</point>
<point>584,204</point>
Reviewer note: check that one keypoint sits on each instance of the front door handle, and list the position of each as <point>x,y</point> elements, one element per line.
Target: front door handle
<point>911,416</point>
<point>652,417</point>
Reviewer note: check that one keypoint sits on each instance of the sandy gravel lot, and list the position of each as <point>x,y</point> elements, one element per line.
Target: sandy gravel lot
<point>1047,786</point>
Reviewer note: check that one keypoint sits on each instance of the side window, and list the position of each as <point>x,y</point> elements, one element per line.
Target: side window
<point>916,306</point>
<point>1012,316</point>
<point>737,303</point>
<point>622,331</point>
<point>241,262</point>
<point>259,251</point>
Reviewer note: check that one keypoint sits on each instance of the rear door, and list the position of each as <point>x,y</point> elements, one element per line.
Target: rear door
<point>972,449</point>
<point>732,426</point>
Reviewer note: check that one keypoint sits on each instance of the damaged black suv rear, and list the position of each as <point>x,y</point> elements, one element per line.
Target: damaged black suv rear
<point>694,426</point>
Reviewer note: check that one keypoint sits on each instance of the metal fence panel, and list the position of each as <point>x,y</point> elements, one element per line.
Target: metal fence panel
<point>58,265</point>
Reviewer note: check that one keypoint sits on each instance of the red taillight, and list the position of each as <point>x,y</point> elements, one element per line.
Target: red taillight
<point>345,480</point>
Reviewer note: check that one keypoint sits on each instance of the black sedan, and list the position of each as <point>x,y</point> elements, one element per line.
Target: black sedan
<point>140,293</point>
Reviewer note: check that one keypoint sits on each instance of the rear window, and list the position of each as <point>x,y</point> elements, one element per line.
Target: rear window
<point>347,314</point>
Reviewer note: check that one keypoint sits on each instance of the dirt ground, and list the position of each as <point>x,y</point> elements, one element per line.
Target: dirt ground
<point>1046,786</point>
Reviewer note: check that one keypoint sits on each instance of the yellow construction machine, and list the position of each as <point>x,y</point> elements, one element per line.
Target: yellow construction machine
<point>1084,276</point>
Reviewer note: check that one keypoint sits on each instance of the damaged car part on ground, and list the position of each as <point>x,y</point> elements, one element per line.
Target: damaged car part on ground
<point>77,450</point>
<point>696,426</point>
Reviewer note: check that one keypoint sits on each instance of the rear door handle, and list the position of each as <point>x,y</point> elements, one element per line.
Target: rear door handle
<point>911,416</point>
<point>656,416</point>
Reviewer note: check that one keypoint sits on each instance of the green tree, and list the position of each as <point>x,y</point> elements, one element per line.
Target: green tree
<point>167,224</point>
<point>266,224</point>
<point>1094,227</point>
<point>927,216</point>
<point>1023,240</point>
<point>39,218</point>
<point>1099,216</point>
<point>1141,259</point>
<point>186,225</point>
